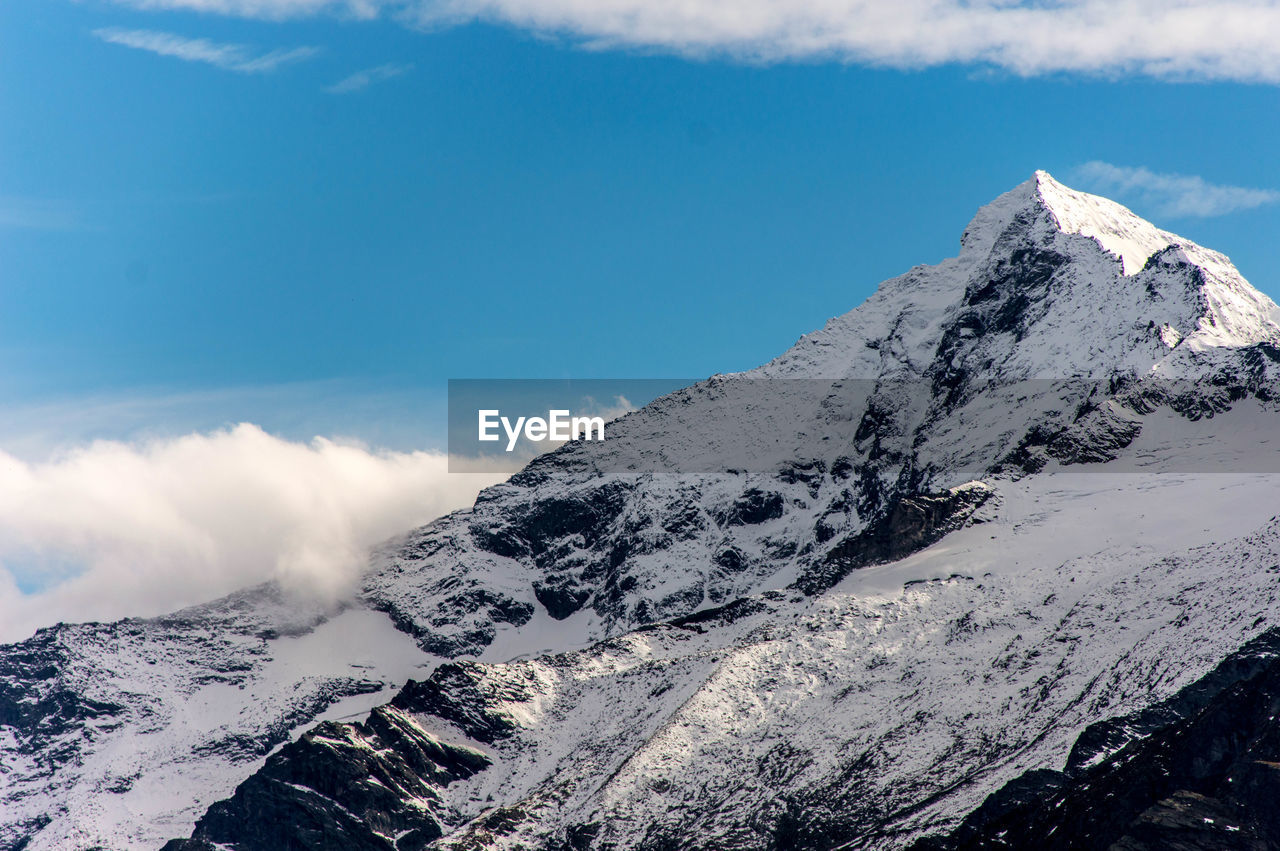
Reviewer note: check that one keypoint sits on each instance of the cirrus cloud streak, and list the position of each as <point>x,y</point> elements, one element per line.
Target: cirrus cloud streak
<point>230,57</point>
<point>362,79</point>
<point>1172,195</point>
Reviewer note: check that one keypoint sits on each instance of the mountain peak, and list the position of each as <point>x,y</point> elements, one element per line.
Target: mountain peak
<point>1049,281</point>
<point>1117,229</point>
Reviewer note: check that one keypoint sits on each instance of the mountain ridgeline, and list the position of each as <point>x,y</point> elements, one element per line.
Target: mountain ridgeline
<point>986,562</point>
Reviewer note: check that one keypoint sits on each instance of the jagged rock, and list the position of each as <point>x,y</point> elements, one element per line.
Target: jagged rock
<point>373,786</point>
<point>1198,771</point>
<point>910,523</point>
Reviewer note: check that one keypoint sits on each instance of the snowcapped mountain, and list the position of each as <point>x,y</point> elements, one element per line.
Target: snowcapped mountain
<point>986,537</point>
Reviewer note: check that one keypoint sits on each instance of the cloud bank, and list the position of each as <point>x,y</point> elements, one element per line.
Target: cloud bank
<point>230,57</point>
<point>1172,195</point>
<point>115,529</point>
<point>1194,39</point>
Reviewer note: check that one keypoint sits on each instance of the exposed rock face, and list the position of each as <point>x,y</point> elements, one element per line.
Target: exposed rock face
<point>371,786</point>
<point>840,600</point>
<point>909,523</point>
<point>1199,771</point>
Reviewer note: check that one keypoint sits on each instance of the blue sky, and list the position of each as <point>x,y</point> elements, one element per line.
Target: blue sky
<point>232,232</point>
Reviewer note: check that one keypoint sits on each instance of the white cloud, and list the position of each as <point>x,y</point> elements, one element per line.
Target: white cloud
<point>114,529</point>
<point>231,57</point>
<point>363,79</point>
<point>1171,195</point>
<point>1200,39</point>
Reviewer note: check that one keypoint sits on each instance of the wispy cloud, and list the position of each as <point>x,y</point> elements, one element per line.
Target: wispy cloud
<point>37,214</point>
<point>1172,195</point>
<point>231,57</point>
<point>1188,39</point>
<point>364,78</point>
<point>272,9</point>
<point>111,528</point>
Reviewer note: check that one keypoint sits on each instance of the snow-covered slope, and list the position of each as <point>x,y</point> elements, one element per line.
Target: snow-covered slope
<point>898,700</point>
<point>120,735</point>
<point>839,598</point>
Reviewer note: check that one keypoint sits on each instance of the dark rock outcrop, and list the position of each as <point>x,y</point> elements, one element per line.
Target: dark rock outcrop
<point>910,523</point>
<point>1198,771</point>
<point>367,786</point>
